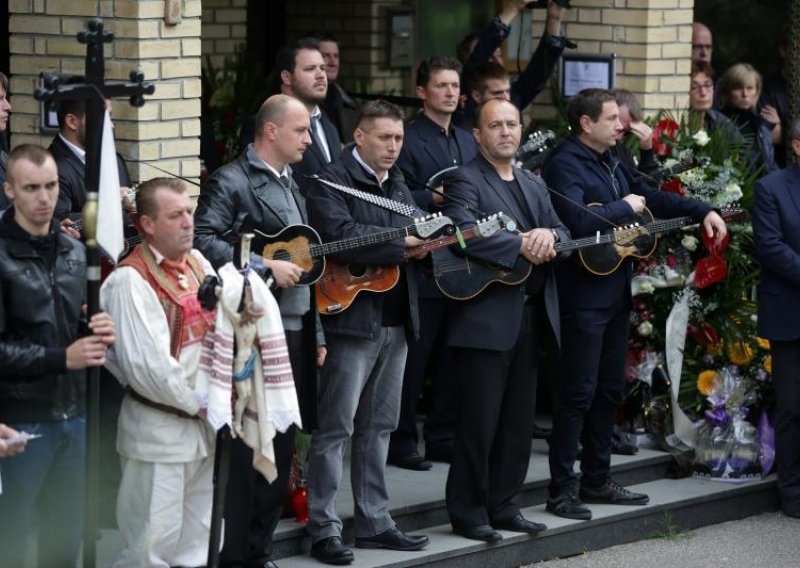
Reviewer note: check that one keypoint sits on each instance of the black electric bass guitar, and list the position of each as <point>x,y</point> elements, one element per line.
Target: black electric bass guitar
<point>301,245</point>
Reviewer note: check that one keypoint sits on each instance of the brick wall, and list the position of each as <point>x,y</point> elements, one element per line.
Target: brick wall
<point>166,129</point>
<point>361,28</point>
<point>652,40</point>
<point>224,29</point>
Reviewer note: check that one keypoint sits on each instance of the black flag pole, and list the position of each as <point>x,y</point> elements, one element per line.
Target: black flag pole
<point>94,90</point>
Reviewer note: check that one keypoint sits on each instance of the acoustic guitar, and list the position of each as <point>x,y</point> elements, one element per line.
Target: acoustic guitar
<point>638,239</point>
<point>341,283</point>
<point>301,245</point>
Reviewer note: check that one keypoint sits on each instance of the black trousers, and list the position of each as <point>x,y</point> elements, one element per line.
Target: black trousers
<point>786,381</point>
<point>496,398</point>
<point>588,393</point>
<point>253,506</point>
<point>426,353</point>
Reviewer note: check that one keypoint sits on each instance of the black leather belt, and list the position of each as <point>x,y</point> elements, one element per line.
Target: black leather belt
<point>162,407</point>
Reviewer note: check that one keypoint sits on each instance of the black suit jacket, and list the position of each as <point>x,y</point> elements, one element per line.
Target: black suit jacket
<point>493,319</point>
<point>421,156</point>
<point>72,180</point>
<point>776,226</point>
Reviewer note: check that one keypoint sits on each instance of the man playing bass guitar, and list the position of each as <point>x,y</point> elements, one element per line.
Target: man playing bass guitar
<point>493,335</point>
<point>595,309</point>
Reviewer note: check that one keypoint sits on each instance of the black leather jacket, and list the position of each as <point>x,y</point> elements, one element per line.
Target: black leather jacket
<point>40,316</point>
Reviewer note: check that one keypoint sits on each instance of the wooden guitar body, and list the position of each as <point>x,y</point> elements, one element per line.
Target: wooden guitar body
<point>341,283</point>
<point>294,244</point>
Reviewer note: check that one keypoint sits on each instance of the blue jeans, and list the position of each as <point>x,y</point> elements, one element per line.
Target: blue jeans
<point>44,486</point>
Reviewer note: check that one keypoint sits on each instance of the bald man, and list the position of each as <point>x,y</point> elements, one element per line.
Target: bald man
<point>702,43</point>
<point>260,184</point>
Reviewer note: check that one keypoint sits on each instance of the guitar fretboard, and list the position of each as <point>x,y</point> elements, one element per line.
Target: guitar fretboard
<point>323,249</point>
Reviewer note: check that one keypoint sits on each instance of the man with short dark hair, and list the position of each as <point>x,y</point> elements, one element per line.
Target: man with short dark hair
<point>632,121</point>
<point>259,184</point>
<point>44,357</point>
<point>361,382</point>
<point>486,48</point>
<point>69,151</point>
<point>594,193</point>
<point>432,144</point>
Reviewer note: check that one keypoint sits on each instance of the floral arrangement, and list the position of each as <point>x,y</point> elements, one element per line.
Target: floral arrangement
<point>698,296</point>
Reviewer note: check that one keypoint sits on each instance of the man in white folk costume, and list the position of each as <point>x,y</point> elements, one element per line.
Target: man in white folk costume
<point>176,360</point>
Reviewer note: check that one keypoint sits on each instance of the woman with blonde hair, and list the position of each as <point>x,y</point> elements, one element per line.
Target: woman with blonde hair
<point>740,88</point>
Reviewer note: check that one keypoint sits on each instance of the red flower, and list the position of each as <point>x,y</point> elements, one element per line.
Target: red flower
<point>674,185</point>
<point>664,135</point>
<point>704,335</point>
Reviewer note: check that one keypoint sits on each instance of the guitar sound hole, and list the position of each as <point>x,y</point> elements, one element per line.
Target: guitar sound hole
<point>357,270</point>
<point>282,254</point>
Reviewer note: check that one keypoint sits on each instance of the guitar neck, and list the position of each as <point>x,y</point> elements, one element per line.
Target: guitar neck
<point>333,247</point>
<point>583,242</point>
<point>445,241</point>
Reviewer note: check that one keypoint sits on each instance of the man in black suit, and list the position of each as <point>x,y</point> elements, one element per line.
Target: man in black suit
<point>69,151</point>
<point>431,145</point>
<point>259,183</point>
<point>595,310</point>
<point>301,71</point>
<point>776,226</point>
<point>493,335</point>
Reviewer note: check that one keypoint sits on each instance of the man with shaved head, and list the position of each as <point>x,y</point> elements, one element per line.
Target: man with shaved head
<point>702,43</point>
<point>496,369</point>
<point>259,183</point>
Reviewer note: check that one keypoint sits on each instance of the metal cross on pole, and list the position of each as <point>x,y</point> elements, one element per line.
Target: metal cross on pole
<point>94,90</point>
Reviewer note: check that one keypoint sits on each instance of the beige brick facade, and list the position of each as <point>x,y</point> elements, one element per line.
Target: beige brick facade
<point>164,131</point>
<point>652,41</point>
<point>224,29</point>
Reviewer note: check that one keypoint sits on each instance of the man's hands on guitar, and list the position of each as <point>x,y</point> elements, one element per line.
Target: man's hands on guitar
<point>715,225</point>
<point>637,202</point>
<point>285,273</point>
<point>411,244</point>
<point>537,246</point>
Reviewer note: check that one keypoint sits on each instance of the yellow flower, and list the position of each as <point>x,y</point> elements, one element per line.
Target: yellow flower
<point>706,381</point>
<point>763,343</point>
<point>740,353</point>
<point>768,364</point>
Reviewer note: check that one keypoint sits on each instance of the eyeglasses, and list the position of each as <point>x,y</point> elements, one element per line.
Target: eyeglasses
<point>707,86</point>
<point>701,46</point>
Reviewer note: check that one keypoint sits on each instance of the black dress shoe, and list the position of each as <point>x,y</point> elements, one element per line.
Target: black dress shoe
<point>541,433</point>
<point>478,532</point>
<point>612,493</point>
<point>622,448</point>
<point>332,550</point>
<point>414,462</point>
<point>393,539</point>
<point>269,564</point>
<point>568,506</point>
<point>520,524</point>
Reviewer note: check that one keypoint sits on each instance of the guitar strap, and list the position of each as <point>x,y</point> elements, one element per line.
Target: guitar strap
<point>384,202</point>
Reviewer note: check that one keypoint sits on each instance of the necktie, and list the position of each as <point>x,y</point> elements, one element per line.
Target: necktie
<point>318,134</point>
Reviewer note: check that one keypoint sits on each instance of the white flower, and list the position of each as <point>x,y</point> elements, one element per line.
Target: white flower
<point>645,329</point>
<point>689,242</point>
<point>733,191</point>
<point>701,138</point>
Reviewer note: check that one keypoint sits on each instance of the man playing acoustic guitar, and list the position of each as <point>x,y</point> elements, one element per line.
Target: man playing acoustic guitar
<point>595,309</point>
<point>360,383</point>
<point>493,335</point>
